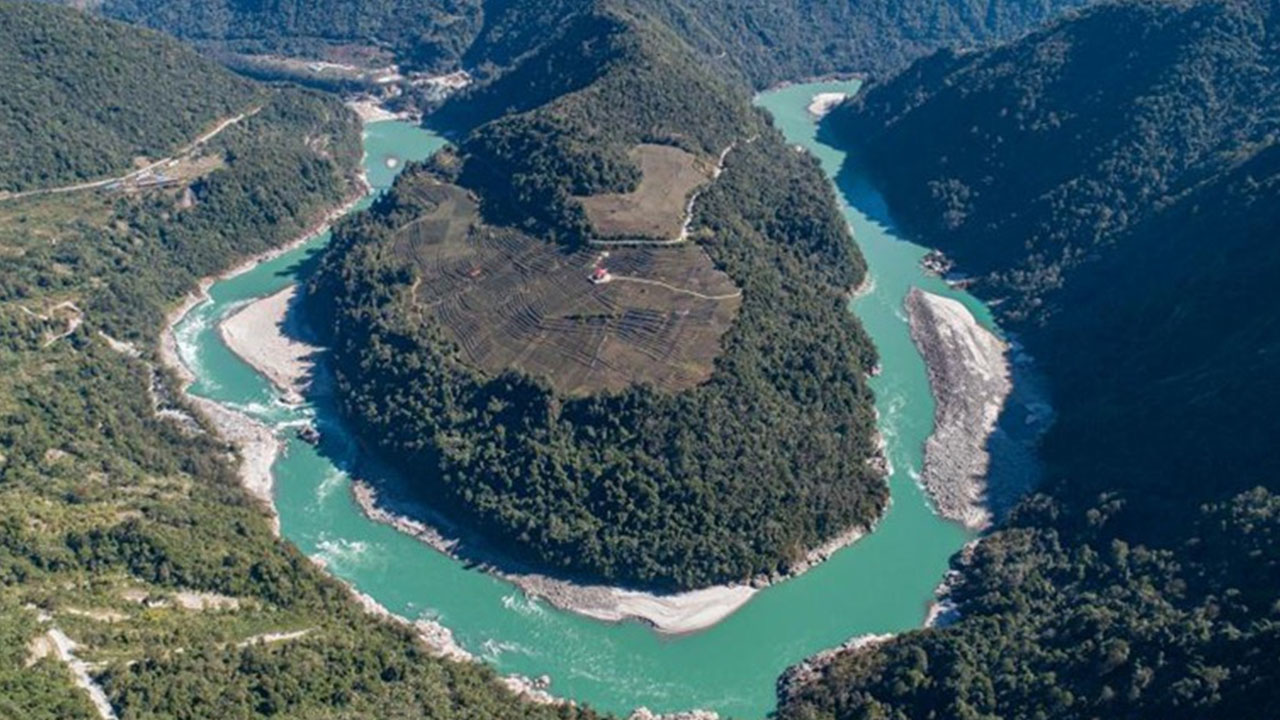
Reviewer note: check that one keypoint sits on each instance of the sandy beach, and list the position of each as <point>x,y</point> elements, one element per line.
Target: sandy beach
<point>970,378</point>
<point>260,334</point>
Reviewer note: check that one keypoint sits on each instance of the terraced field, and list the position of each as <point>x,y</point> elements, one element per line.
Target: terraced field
<point>587,321</point>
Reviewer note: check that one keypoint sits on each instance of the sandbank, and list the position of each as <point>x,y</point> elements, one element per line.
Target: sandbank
<point>259,334</point>
<point>371,111</point>
<point>824,103</point>
<point>970,378</point>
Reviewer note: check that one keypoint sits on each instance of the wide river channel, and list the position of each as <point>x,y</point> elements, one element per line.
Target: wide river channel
<point>881,584</point>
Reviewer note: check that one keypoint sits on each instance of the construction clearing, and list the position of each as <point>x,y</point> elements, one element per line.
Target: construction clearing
<point>188,162</point>
<point>587,321</point>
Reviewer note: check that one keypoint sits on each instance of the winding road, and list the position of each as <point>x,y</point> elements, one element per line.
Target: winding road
<point>140,172</point>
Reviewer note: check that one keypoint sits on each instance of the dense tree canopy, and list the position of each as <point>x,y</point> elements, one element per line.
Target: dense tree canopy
<point>732,479</point>
<point>88,112</point>
<point>103,500</point>
<point>1115,179</point>
<point>422,32</point>
<point>759,41</point>
<point>768,42</point>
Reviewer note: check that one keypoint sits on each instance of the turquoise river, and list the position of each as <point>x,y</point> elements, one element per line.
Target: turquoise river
<point>883,583</point>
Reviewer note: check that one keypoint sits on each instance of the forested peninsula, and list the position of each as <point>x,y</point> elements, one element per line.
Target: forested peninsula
<point>636,478</point>
<point>729,480</point>
<point>1113,181</point>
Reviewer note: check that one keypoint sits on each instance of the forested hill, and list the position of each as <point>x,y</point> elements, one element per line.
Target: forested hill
<point>105,94</point>
<point>770,42</point>
<point>560,121</point>
<point>1135,104</point>
<point>732,478</point>
<point>1116,181</point>
<point>762,41</point>
<point>423,33</point>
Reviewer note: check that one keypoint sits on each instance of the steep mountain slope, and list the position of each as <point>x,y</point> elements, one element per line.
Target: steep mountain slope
<point>422,33</point>
<point>770,42</point>
<point>760,41</point>
<point>734,478</point>
<point>1115,181</point>
<point>126,529</point>
<point>1152,99</point>
<point>87,114</point>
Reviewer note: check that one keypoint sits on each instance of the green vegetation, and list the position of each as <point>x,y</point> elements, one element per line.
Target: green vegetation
<point>606,76</point>
<point>87,114</point>
<point>759,41</point>
<point>1116,180</point>
<point>245,208</point>
<point>768,42</point>
<point>735,477</point>
<point>110,514</point>
<point>614,80</point>
<point>422,33</point>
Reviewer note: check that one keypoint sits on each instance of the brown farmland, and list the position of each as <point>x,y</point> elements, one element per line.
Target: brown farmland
<point>657,209</point>
<point>512,301</point>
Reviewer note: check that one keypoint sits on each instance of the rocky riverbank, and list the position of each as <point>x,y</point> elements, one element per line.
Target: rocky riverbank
<point>675,613</point>
<point>810,670</point>
<point>257,444</point>
<point>970,379</point>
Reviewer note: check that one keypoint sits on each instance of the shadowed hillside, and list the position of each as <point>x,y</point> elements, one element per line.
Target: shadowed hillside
<point>760,41</point>
<point>1114,181</point>
<point>421,33</point>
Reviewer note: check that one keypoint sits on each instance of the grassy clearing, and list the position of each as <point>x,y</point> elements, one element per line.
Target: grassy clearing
<point>513,302</point>
<point>657,208</point>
